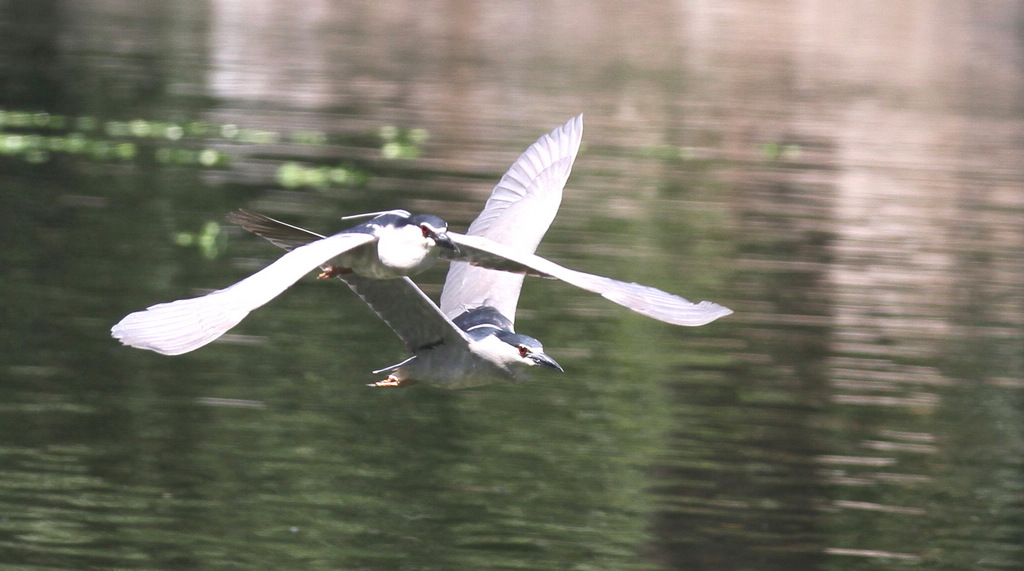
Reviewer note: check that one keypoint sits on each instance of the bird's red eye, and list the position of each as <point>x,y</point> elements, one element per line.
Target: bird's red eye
<point>523,351</point>
<point>426,231</point>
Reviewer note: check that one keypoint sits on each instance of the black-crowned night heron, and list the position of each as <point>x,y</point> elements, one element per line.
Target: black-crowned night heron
<point>469,340</point>
<point>392,244</point>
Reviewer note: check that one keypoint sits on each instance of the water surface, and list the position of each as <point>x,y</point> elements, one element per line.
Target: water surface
<point>848,181</point>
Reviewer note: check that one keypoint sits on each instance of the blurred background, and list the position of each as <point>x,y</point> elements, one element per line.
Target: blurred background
<point>847,177</point>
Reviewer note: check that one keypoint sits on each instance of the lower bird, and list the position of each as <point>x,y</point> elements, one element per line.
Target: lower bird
<point>470,339</point>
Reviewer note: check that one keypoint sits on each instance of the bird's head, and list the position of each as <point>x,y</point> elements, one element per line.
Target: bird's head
<point>435,229</point>
<point>525,350</point>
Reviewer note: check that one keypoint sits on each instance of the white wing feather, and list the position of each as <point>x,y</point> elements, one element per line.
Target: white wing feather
<point>642,299</point>
<point>185,325</point>
<point>517,215</point>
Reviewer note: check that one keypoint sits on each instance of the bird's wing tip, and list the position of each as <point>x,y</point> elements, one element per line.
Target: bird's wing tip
<point>713,311</point>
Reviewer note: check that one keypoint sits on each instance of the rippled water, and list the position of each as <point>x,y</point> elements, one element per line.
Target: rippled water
<point>847,180</point>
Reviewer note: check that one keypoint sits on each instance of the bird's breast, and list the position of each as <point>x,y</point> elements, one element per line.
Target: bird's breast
<point>454,367</point>
<point>387,259</point>
<point>404,253</point>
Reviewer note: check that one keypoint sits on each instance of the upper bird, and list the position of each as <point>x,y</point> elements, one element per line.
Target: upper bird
<point>392,244</point>
<point>470,339</point>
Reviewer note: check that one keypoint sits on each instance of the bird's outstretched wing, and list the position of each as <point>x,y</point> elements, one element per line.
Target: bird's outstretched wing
<point>517,215</point>
<point>642,299</point>
<point>413,316</point>
<point>187,324</point>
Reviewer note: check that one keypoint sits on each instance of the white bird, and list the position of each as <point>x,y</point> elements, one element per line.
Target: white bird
<point>392,244</point>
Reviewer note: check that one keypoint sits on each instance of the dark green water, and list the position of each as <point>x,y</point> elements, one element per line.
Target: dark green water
<point>852,191</point>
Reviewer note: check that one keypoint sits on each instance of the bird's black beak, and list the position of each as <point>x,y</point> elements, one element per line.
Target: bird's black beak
<point>442,239</point>
<point>546,362</point>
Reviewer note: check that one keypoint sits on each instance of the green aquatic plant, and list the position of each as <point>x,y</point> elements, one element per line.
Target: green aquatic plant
<point>210,240</point>
<point>35,137</point>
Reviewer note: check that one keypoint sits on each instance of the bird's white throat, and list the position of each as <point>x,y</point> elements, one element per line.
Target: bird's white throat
<point>405,248</point>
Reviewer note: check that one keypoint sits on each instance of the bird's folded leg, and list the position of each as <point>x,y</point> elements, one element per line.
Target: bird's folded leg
<point>333,271</point>
<point>393,381</point>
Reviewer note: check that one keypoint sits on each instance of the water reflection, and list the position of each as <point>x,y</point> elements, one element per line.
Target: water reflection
<point>847,180</point>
